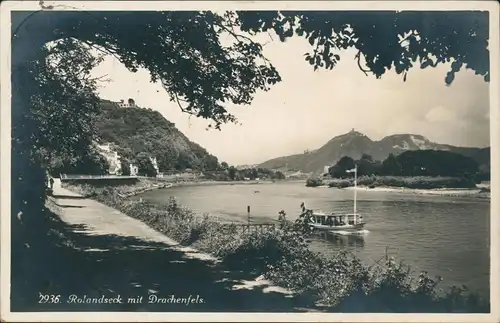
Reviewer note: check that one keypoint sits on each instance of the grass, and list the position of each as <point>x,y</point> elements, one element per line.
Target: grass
<point>341,283</point>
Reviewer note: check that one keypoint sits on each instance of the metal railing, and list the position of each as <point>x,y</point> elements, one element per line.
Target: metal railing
<point>75,177</point>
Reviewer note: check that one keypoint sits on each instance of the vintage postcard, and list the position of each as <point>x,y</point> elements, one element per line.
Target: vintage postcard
<point>250,161</point>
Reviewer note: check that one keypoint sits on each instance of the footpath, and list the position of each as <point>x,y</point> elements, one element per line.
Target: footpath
<point>120,257</point>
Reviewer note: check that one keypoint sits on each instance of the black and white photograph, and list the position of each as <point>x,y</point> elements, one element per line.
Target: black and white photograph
<point>250,161</point>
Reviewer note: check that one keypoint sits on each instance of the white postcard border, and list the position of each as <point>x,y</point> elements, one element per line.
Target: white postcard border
<point>5,126</point>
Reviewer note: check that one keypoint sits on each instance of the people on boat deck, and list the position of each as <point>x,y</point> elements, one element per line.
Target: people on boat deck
<point>341,220</point>
<point>329,221</point>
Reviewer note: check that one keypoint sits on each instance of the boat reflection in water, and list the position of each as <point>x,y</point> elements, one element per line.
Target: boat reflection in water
<point>342,239</point>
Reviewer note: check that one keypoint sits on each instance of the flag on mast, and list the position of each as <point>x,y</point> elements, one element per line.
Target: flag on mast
<point>351,170</point>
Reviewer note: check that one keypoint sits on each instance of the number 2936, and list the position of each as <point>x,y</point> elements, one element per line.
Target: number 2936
<point>48,298</point>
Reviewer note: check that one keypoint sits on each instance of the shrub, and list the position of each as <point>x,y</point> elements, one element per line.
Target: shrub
<point>314,182</point>
<point>340,183</point>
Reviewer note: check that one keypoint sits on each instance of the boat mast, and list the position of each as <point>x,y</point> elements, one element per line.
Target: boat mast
<point>355,190</point>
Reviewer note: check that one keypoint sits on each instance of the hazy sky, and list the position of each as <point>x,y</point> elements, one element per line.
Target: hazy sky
<point>310,107</point>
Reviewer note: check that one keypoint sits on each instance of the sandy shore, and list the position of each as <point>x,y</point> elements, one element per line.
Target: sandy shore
<point>210,183</point>
<point>475,192</point>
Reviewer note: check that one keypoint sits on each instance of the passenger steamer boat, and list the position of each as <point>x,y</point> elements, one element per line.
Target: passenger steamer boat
<point>319,220</point>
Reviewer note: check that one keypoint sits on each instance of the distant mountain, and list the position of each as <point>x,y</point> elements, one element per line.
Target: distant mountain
<point>133,130</point>
<point>354,144</point>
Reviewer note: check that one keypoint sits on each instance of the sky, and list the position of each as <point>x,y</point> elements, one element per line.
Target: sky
<point>309,107</point>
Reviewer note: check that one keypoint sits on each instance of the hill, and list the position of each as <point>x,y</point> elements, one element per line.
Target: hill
<point>354,144</point>
<point>134,130</point>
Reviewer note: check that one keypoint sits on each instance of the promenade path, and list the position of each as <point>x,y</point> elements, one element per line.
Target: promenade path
<point>114,254</point>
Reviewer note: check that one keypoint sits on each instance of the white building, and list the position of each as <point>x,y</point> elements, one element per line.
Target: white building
<point>133,170</point>
<point>129,104</point>
<point>155,164</point>
<point>115,166</point>
<point>326,169</point>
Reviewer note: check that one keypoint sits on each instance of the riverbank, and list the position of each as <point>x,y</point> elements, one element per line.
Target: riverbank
<point>211,183</point>
<point>143,185</point>
<point>283,257</point>
<point>451,186</point>
<point>411,182</point>
<point>146,184</point>
<point>465,192</point>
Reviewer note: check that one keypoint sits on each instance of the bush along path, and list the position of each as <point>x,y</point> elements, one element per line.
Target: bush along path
<point>339,283</point>
<point>118,255</point>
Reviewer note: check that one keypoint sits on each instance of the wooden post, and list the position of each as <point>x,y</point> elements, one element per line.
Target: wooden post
<point>248,211</point>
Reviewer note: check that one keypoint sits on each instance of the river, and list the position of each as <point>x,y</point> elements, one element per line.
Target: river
<point>446,236</point>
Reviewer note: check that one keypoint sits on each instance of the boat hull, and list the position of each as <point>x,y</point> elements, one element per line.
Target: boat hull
<point>333,228</point>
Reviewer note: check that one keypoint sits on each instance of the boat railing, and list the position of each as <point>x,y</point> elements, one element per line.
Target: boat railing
<point>347,218</point>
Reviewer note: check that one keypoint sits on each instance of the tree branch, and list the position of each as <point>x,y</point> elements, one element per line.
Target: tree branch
<point>178,100</point>
<point>358,57</point>
<point>103,49</point>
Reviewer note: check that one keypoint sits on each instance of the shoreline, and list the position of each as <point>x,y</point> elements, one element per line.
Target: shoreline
<point>214,183</point>
<point>157,186</point>
<point>457,192</point>
<point>421,185</point>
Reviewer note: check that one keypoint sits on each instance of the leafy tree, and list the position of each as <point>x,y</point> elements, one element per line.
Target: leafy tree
<point>224,166</point>
<point>366,157</point>
<point>250,173</point>
<point>346,163</point>
<point>413,163</point>
<point>366,165</point>
<point>145,166</point>
<point>278,175</point>
<point>92,163</point>
<point>125,166</point>
<point>384,39</point>
<point>210,163</point>
<point>336,172</point>
<point>391,166</point>
<point>165,164</point>
<point>339,169</point>
<point>232,172</point>
<point>53,102</point>
<point>125,153</point>
<point>436,163</point>
<point>183,162</point>
<point>167,160</point>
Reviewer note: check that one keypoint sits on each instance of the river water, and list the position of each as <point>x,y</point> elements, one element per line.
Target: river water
<point>445,236</point>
